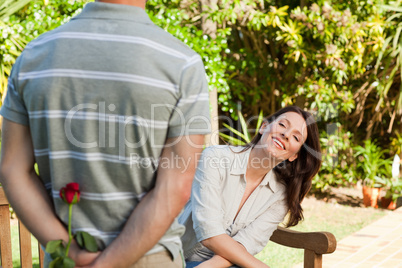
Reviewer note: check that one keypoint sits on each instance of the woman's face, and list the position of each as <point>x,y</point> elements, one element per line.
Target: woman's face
<point>284,137</point>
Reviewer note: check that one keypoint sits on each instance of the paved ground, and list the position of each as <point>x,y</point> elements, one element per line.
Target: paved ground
<point>377,245</point>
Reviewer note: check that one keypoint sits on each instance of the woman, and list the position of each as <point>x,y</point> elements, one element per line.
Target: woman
<point>241,194</point>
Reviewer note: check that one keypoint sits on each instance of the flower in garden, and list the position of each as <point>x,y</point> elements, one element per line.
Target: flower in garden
<point>320,26</point>
<point>330,48</point>
<point>71,193</point>
<point>315,8</point>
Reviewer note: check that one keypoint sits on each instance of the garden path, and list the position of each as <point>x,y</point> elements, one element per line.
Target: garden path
<point>376,245</point>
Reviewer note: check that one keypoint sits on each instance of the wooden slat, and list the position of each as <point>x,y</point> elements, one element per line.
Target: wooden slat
<point>41,256</point>
<point>5,237</point>
<point>25,246</point>
<point>312,260</point>
<point>319,242</point>
<point>24,238</point>
<point>3,198</point>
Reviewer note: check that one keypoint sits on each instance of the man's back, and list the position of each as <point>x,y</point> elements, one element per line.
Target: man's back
<point>102,93</point>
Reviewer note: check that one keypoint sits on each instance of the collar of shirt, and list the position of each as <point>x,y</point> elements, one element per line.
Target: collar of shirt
<point>97,10</point>
<point>239,167</point>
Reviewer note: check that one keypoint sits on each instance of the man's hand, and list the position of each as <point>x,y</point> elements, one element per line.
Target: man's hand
<point>82,257</point>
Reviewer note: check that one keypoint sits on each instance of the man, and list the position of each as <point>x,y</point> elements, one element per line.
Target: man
<point>116,104</point>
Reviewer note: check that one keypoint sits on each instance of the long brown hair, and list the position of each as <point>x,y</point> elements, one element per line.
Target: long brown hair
<point>298,174</point>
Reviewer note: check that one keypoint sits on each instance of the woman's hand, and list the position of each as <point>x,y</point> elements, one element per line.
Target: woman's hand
<point>204,264</point>
<point>215,262</point>
<point>228,251</point>
<point>219,262</point>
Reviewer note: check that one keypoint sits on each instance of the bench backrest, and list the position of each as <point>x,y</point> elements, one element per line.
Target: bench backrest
<point>5,239</point>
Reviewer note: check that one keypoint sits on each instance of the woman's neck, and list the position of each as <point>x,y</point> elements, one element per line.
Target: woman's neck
<point>259,165</point>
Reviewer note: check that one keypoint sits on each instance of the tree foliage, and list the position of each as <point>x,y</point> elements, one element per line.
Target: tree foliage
<point>339,59</point>
<point>183,19</point>
<point>342,60</point>
<point>23,20</point>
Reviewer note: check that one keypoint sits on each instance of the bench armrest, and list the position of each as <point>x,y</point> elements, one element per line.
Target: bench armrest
<point>318,242</point>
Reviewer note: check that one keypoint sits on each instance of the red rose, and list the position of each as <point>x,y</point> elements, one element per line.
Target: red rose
<point>71,193</point>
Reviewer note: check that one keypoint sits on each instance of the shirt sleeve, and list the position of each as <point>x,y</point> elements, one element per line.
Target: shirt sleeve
<point>206,201</point>
<point>256,235</point>
<point>191,114</point>
<point>13,107</point>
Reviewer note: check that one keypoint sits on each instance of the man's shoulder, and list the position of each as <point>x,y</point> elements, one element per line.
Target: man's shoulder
<point>171,41</point>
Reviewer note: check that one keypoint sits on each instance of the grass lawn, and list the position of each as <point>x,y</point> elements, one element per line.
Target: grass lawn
<point>340,220</point>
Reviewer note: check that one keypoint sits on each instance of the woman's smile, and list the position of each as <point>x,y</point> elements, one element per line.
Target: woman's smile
<point>278,143</point>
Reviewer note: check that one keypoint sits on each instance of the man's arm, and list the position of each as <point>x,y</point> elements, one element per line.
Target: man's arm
<point>155,213</point>
<point>26,193</point>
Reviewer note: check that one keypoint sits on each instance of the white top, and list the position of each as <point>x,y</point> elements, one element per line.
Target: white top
<point>217,191</point>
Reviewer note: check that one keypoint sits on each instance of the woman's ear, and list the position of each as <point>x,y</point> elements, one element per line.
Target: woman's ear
<point>293,157</point>
<point>262,128</point>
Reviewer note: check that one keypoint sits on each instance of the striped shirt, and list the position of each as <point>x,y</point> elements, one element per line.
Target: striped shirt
<point>101,94</point>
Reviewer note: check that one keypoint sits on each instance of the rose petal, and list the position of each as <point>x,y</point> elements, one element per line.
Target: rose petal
<point>73,186</point>
<point>69,196</point>
<point>71,193</point>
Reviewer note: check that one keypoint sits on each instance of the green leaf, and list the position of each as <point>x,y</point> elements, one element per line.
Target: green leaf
<point>400,62</point>
<point>9,7</point>
<point>392,8</point>
<point>68,263</point>
<point>59,252</point>
<point>232,140</point>
<point>78,238</point>
<point>395,16</point>
<point>244,127</point>
<point>87,241</point>
<point>259,122</point>
<point>56,263</point>
<point>90,242</point>
<point>235,131</point>
<point>52,246</point>
<point>396,38</point>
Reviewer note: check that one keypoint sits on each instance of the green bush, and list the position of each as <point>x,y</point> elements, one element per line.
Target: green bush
<point>338,59</point>
<point>337,156</point>
<point>17,29</point>
<point>372,166</point>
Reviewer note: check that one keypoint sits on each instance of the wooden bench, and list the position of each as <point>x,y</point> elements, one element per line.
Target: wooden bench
<point>5,239</point>
<point>314,244</point>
